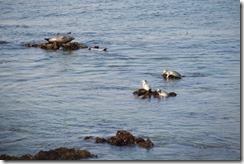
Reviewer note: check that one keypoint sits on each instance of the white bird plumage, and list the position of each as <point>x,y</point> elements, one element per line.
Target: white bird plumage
<point>145,85</point>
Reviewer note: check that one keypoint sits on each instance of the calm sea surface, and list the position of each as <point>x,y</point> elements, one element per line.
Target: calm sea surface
<point>50,99</point>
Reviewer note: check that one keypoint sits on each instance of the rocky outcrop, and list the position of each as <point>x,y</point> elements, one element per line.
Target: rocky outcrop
<point>144,94</point>
<point>125,138</point>
<point>57,46</point>
<point>61,153</point>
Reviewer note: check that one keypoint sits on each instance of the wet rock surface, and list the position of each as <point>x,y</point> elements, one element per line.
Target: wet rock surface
<point>125,138</point>
<point>144,94</point>
<point>61,153</point>
<point>58,46</point>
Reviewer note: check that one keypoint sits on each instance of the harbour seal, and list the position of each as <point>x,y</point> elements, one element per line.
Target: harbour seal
<point>169,74</point>
<point>60,39</point>
<point>97,48</point>
<point>164,94</point>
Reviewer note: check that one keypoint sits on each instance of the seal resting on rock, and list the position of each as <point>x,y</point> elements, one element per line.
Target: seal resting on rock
<point>170,74</point>
<point>60,39</point>
<point>146,92</point>
<point>164,94</point>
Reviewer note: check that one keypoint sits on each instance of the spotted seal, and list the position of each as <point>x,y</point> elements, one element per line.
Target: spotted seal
<point>60,39</point>
<point>170,74</point>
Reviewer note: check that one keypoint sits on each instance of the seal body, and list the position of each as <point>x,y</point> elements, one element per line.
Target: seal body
<point>164,94</point>
<point>60,39</point>
<point>169,74</point>
<point>97,48</point>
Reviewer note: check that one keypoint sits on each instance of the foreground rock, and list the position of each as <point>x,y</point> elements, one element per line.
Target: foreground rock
<point>58,45</point>
<point>61,153</point>
<point>125,138</point>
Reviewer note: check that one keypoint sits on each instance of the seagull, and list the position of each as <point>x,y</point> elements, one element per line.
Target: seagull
<point>145,85</point>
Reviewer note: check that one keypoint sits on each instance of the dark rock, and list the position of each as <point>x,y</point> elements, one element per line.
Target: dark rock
<point>122,138</point>
<point>61,153</point>
<point>100,140</point>
<point>7,157</point>
<point>144,94</point>
<point>145,144</point>
<point>26,157</point>
<point>125,138</point>
<point>23,157</point>
<point>57,45</point>
<point>172,94</point>
<point>88,138</point>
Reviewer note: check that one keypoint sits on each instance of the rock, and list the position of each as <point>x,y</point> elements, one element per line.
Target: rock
<point>100,140</point>
<point>125,138</point>
<point>23,157</point>
<point>57,45</point>
<point>88,138</point>
<point>61,153</point>
<point>144,94</point>
<point>145,144</point>
<point>122,138</point>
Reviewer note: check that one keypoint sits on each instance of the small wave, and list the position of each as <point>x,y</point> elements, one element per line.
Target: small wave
<point>210,146</point>
<point>197,74</point>
<point>4,62</point>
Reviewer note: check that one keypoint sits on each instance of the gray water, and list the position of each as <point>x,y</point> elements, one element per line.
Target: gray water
<point>50,99</point>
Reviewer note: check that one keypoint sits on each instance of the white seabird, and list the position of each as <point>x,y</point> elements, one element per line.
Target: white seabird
<point>145,85</point>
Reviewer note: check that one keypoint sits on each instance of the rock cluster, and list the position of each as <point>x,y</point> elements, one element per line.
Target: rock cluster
<point>61,153</point>
<point>58,45</point>
<point>125,138</point>
<point>144,94</point>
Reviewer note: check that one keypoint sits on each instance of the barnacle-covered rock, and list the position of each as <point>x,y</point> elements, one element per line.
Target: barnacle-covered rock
<point>61,153</point>
<point>125,138</point>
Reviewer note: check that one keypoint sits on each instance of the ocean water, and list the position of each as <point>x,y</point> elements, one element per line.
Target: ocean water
<point>50,99</point>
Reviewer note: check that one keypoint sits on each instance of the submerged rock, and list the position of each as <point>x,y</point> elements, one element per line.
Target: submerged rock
<point>61,153</point>
<point>125,138</point>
